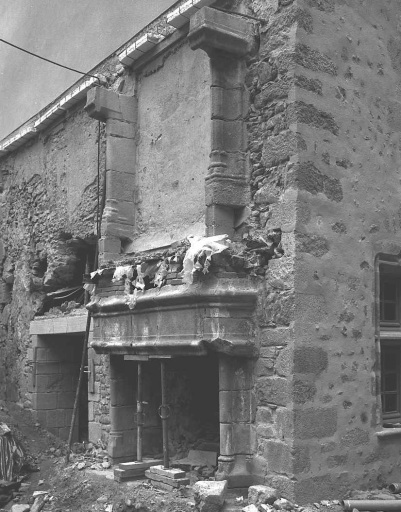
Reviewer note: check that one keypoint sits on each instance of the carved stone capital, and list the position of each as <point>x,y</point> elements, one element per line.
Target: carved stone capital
<point>103,104</point>
<point>212,30</point>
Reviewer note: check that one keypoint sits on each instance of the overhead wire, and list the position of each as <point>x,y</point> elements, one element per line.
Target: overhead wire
<point>47,60</point>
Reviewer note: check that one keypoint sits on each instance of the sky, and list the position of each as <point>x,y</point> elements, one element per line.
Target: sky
<point>76,33</point>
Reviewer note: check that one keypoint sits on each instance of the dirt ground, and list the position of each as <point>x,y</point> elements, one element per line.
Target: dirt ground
<point>86,483</point>
<point>74,488</point>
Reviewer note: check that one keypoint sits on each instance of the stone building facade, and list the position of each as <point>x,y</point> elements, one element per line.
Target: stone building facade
<point>276,123</point>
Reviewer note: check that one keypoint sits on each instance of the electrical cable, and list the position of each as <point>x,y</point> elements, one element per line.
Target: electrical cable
<point>48,60</point>
<point>239,14</point>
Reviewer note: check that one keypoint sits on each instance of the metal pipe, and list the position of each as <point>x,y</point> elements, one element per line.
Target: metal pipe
<point>139,415</point>
<point>372,505</point>
<point>395,488</point>
<point>164,414</point>
<point>84,357</point>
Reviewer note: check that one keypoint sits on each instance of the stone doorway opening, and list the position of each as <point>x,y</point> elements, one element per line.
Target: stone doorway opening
<point>56,365</point>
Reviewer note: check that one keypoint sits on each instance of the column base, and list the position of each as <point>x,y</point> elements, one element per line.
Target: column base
<point>236,470</point>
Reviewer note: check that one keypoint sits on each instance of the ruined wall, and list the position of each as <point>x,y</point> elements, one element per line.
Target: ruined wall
<point>332,69</point>
<point>48,199</point>
<point>173,146</point>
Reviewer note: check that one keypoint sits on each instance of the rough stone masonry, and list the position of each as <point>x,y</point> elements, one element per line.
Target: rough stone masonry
<point>278,123</point>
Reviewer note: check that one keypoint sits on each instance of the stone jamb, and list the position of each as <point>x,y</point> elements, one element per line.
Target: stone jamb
<point>119,112</point>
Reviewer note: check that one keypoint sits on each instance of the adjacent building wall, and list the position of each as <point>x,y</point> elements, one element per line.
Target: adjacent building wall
<point>332,68</point>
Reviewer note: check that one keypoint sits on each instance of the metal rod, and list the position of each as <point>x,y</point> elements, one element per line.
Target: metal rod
<point>164,414</point>
<point>79,386</point>
<point>372,505</point>
<point>34,365</point>
<point>81,369</point>
<point>139,415</point>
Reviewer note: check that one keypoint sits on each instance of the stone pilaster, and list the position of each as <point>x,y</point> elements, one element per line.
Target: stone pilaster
<point>237,417</point>
<point>119,112</point>
<point>226,38</point>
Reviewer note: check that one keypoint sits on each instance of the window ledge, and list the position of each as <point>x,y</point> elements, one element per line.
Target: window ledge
<point>389,432</point>
<point>395,334</point>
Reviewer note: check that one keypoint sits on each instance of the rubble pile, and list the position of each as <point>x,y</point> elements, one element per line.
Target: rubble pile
<point>85,455</point>
<point>282,504</point>
<point>266,499</point>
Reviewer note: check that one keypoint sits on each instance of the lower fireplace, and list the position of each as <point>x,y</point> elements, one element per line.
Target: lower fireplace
<point>181,367</point>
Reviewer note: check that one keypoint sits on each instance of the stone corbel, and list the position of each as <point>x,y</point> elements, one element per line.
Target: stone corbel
<point>226,38</point>
<point>119,112</point>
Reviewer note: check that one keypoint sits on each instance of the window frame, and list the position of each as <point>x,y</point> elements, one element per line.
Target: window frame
<point>394,347</point>
<point>390,337</point>
<point>390,277</point>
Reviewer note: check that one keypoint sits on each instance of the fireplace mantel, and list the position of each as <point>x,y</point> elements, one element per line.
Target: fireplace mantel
<point>178,320</point>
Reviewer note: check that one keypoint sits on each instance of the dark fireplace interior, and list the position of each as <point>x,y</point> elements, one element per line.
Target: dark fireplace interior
<point>193,395</point>
<point>192,390</point>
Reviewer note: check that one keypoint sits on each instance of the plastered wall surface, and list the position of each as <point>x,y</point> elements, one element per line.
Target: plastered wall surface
<point>173,147</point>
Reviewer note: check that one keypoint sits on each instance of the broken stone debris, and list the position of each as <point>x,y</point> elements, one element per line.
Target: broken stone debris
<point>261,494</point>
<point>129,470</point>
<point>250,508</point>
<point>21,507</point>
<point>210,495</point>
<point>167,479</point>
